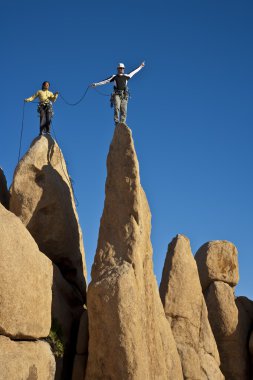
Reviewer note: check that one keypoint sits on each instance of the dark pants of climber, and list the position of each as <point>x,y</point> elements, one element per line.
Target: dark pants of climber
<point>46,113</point>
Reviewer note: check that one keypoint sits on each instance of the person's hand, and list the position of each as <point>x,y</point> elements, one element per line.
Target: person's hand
<point>25,100</point>
<point>143,64</point>
<point>93,85</point>
<point>56,93</point>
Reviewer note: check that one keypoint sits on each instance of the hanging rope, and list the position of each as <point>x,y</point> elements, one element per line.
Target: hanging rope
<point>76,103</point>
<point>21,134</point>
<point>100,92</point>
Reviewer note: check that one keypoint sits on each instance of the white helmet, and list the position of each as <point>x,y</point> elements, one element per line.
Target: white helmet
<point>121,65</point>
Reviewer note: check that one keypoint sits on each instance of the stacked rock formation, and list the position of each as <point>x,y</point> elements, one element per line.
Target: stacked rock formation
<point>42,197</point>
<point>129,335</point>
<point>4,193</point>
<point>134,333</point>
<point>25,299</point>
<point>231,319</point>
<point>185,308</point>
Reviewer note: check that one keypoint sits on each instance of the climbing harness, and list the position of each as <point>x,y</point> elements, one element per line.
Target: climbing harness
<point>46,106</point>
<point>123,94</point>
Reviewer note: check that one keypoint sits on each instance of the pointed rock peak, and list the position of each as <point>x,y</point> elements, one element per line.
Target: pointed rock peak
<point>126,210</point>
<point>4,192</point>
<point>136,340</point>
<point>217,261</point>
<point>178,242</point>
<point>122,163</point>
<point>42,197</point>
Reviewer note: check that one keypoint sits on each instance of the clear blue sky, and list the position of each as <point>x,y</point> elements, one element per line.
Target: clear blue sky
<point>190,112</point>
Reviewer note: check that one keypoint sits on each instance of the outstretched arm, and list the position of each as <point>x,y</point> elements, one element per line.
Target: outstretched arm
<point>32,97</point>
<point>132,73</point>
<point>105,81</point>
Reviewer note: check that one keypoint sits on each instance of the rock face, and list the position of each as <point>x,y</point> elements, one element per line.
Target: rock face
<point>217,261</point>
<point>230,319</point>
<point>42,197</point>
<point>66,313</point>
<point>25,282</point>
<point>26,360</point>
<point>129,336</point>
<point>185,308</point>
<point>81,348</point>
<point>4,193</point>
<point>251,350</point>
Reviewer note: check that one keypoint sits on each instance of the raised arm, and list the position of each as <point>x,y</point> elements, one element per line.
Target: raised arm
<point>132,73</point>
<point>32,97</point>
<point>105,81</point>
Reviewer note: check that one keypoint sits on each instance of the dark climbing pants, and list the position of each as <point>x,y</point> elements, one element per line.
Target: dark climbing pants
<point>46,114</point>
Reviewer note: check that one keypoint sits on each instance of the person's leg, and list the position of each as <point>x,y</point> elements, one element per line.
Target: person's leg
<point>48,119</point>
<point>116,108</point>
<point>42,119</point>
<point>123,110</point>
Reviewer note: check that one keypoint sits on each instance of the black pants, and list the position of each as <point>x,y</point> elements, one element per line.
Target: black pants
<point>46,114</point>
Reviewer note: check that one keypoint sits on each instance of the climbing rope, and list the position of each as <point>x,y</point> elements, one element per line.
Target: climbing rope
<point>76,103</point>
<point>83,96</point>
<point>21,134</point>
<point>100,92</point>
<point>22,128</point>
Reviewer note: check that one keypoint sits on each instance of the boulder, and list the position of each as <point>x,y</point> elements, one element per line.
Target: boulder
<point>231,323</point>
<point>222,310</point>
<point>42,197</point>
<point>26,360</point>
<point>185,308</point>
<point>4,192</point>
<point>25,282</point>
<point>217,261</point>
<point>129,336</point>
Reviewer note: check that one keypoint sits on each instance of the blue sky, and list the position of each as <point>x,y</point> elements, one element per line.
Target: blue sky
<point>190,111</point>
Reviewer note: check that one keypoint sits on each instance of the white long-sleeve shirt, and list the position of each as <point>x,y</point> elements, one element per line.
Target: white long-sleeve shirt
<point>120,80</point>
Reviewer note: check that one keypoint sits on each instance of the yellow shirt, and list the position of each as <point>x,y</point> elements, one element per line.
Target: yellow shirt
<point>44,96</point>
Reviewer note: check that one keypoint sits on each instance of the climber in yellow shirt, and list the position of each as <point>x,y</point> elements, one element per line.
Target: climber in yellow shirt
<point>45,108</point>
